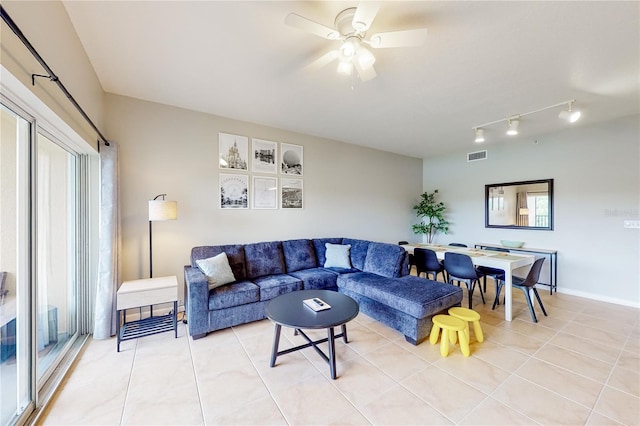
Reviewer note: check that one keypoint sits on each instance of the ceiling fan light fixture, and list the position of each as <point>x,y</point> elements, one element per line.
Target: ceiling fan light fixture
<point>479,135</point>
<point>570,115</point>
<point>345,68</point>
<point>350,47</point>
<point>365,58</point>
<point>513,126</point>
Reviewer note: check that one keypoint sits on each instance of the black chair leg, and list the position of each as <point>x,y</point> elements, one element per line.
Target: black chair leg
<point>481,292</point>
<point>525,290</point>
<point>535,291</point>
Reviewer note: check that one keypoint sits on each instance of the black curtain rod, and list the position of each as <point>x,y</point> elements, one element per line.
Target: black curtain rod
<point>52,76</point>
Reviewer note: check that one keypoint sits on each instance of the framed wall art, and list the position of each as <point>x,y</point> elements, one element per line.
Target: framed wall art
<point>233,151</point>
<point>291,159</point>
<point>291,193</point>
<point>264,190</point>
<point>263,156</point>
<point>234,191</point>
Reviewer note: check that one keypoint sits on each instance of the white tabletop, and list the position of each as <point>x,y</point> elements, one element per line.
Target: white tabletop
<point>148,284</point>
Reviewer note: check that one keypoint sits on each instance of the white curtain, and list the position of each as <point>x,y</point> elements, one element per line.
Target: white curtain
<point>108,257</point>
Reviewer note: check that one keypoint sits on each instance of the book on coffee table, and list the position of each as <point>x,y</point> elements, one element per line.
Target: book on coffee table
<point>316,304</point>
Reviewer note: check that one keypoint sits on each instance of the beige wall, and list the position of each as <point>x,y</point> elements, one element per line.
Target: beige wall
<point>596,187</point>
<point>349,191</point>
<point>48,28</point>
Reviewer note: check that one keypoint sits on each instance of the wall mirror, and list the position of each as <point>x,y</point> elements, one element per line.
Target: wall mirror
<point>519,205</point>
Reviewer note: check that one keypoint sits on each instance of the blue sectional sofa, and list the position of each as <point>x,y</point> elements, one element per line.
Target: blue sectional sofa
<point>378,279</point>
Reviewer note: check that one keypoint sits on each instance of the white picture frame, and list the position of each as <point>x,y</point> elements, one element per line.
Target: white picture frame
<point>291,159</point>
<point>264,156</point>
<point>233,151</point>
<point>291,193</point>
<point>264,192</point>
<point>234,191</point>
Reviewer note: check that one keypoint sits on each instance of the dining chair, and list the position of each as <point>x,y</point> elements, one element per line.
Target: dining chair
<point>426,261</point>
<point>495,273</point>
<point>457,245</point>
<point>526,284</point>
<point>460,268</point>
<point>411,257</point>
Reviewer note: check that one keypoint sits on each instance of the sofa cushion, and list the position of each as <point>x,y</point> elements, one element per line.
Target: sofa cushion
<point>235,255</point>
<point>316,278</point>
<point>319,245</point>
<point>358,252</point>
<point>414,296</point>
<point>264,259</point>
<point>299,254</point>
<point>337,256</point>
<point>217,270</point>
<point>234,294</point>
<point>274,285</point>
<point>385,259</point>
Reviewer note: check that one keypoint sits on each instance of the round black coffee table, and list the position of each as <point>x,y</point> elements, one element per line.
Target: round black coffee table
<point>288,310</point>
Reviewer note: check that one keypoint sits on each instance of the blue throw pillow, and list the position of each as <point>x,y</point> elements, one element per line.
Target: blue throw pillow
<point>337,256</point>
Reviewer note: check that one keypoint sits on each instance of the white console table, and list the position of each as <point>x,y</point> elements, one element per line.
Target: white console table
<point>553,261</point>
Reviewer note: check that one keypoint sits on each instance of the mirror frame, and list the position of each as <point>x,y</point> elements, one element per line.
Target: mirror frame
<point>487,188</point>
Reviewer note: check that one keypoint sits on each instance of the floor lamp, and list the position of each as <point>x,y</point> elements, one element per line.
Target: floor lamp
<point>159,210</point>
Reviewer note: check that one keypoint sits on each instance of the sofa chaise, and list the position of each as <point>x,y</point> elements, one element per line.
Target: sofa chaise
<point>375,274</point>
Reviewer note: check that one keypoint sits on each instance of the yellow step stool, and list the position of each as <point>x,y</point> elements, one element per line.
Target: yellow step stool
<point>469,315</point>
<point>449,326</point>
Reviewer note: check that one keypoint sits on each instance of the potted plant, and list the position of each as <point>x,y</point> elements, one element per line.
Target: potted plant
<point>431,214</point>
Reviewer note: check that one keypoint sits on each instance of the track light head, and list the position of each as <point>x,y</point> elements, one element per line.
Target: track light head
<point>479,135</point>
<point>570,115</point>
<point>513,126</point>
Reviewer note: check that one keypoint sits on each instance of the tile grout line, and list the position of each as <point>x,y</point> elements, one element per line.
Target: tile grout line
<point>126,395</point>
<point>195,374</point>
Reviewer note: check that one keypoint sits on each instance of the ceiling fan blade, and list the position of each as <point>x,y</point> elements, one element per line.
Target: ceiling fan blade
<point>323,60</point>
<point>365,14</point>
<point>365,74</point>
<point>304,24</point>
<point>406,38</point>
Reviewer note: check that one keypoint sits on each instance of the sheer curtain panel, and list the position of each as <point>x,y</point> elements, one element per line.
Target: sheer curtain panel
<point>108,257</point>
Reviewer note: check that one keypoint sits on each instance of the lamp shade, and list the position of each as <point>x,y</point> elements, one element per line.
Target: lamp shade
<point>163,210</point>
<point>524,211</point>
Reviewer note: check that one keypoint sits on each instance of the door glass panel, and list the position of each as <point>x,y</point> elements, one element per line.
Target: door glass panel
<point>55,251</point>
<point>15,353</point>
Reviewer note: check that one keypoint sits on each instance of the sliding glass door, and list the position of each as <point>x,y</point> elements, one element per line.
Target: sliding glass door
<point>46,263</point>
<point>55,224</point>
<point>16,360</point>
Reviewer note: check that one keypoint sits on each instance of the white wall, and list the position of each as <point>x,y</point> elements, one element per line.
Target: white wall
<point>349,191</point>
<point>48,28</point>
<point>596,187</point>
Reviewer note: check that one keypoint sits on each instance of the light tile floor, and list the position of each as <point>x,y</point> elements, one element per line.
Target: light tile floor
<point>579,365</point>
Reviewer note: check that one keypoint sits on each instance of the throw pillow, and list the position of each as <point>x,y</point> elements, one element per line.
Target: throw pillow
<point>217,270</point>
<point>337,256</point>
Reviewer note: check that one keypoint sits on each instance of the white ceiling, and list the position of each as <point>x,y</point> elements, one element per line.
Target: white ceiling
<point>483,61</point>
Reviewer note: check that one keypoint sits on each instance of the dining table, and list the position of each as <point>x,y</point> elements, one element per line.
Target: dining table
<point>494,259</point>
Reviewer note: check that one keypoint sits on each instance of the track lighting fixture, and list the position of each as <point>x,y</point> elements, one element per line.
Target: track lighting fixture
<point>513,126</point>
<point>570,115</point>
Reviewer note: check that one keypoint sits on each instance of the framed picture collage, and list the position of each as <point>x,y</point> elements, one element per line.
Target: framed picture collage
<point>262,174</point>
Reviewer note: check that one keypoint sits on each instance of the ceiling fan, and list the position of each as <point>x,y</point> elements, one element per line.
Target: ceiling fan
<point>350,30</point>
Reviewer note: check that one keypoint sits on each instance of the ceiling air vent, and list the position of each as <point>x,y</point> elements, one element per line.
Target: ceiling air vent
<point>477,156</point>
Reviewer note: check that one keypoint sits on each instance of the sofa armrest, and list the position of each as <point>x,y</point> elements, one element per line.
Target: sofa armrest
<point>196,301</point>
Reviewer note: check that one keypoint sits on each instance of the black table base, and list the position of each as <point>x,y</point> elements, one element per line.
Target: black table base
<point>331,337</point>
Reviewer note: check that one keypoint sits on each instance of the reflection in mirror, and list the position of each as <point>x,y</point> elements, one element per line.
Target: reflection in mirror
<point>520,205</point>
